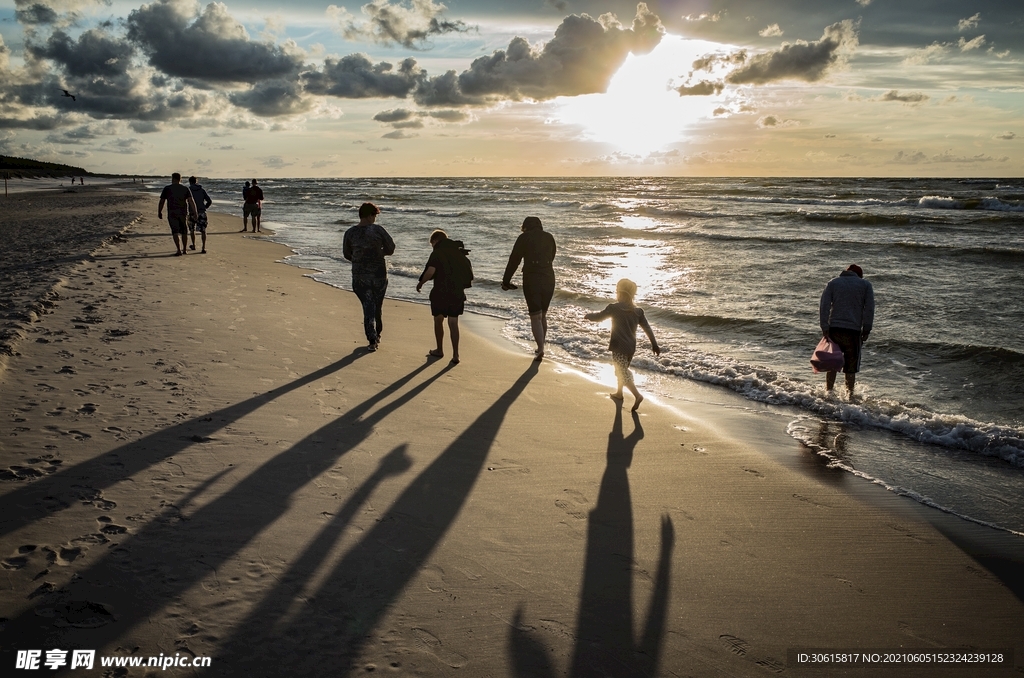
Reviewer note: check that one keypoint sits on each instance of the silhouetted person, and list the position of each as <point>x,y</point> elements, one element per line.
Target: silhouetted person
<point>365,245</point>
<point>846,314</point>
<point>448,296</point>
<point>179,205</point>
<point>625,319</point>
<point>203,201</point>
<point>536,249</point>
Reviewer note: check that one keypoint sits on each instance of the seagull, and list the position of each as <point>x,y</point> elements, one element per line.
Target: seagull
<point>69,94</point>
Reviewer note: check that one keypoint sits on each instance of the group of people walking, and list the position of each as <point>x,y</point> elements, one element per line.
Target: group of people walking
<point>367,244</point>
<point>186,212</point>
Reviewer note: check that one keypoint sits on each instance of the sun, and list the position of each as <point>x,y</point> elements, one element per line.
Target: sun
<point>641,112</point>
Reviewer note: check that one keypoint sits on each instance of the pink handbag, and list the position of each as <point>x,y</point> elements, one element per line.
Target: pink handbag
<point>828,357</point>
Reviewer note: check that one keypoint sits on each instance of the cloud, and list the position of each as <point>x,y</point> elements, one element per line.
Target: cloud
<point>717,16</point>
<point>36,14</point>
<point>560,5</point>
<point>129,146</point>
<point>768,121</point>
<point>274,162</point>
<point>807,61</point>
<point>210,46</point>
<point>702,88</point>
<point>95,53</point>
<point>398,134</point>
<point>863,3</point>
<point>395,115</point>
<point>273,98</point>
<point>926,54</point>
<point>356,77</point>
<point>902,158</point>
<point>450,115</point>
<point>968,23</point>
<point>968,45</point>
<point>1006,136</point>
<point>947,156</point>
<point>770,31</point>
<point>580,59</point>
<point>911,98</point>
<point>409,24</point>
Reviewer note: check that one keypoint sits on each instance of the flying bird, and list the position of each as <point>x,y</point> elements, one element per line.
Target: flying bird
<point>69,94</point>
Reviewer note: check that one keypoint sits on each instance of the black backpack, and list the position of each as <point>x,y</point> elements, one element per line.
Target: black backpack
<point>462,268</point>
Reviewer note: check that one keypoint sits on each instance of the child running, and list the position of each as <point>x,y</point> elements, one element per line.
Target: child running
<point>625,317</point>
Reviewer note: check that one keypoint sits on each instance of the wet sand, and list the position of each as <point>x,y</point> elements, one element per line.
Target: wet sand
<point>201,459</point>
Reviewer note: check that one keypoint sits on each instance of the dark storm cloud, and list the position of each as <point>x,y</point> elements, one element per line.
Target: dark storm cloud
<point>211,46</point>
<point>808,61</point>
<point>95,53</point>
<point>356,77</point>
<point>702,88</point>
<point>273,98</point>
<point>580,59</point>
<point>39,123</point>
<point>409,24</point>
<point>36,14</point>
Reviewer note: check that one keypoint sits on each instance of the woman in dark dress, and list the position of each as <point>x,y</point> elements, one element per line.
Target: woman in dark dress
<point>535,249</point>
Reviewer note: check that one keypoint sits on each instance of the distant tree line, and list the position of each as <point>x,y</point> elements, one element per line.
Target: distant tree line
<point>23,167</point>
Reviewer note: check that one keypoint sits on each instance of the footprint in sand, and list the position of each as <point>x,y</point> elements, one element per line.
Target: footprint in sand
<point>434,646</point>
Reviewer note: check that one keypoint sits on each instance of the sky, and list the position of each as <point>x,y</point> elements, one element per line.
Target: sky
<point>902,88</point>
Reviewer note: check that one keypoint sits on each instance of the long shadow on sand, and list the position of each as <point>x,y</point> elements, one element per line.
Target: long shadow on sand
<point>337,618</point>
<point>171,553</point>
<point>605,643</point>
<point>48,495</point>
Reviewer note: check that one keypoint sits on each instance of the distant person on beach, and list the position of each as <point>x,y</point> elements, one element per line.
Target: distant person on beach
<point>255,198</point>
<point>203,201</point>
<point>448,296</point>
<point>365,245</point>
<point>625,318</point>
<point>247,209</point>
<point>180,205</point>
<point>535,248</point>
<point>846,314</point>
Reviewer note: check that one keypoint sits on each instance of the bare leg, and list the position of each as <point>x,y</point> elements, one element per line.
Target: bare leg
<point>204,241</point>
<point>453,327</point>
<point>851,379</point>
<point>539,325</point>
<point>830,380</point>
<point>439,336</point>
<point>181,247</point>
<point>636,395</point>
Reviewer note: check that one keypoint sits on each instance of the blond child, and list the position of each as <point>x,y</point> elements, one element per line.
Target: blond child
<point>625,318</point>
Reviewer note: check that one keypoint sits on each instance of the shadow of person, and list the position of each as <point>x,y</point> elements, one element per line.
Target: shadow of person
<point>171,553</point>
<point>605,641</point>
<point>338,617</point>
<point>57,492</point>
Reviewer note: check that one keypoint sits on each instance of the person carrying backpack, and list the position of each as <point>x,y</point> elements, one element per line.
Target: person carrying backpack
<point>451,271</point>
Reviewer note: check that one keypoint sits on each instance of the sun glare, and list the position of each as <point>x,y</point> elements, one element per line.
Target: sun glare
<point>641,112</point>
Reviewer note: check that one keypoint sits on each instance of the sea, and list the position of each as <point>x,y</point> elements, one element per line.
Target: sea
<point>730,273</point>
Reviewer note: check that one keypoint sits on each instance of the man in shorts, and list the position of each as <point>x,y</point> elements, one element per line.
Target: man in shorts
<point>203,201</point>
<point>447,298</point>
<point>180,205</point>
<point>253,206</point>
<point>846,315</point>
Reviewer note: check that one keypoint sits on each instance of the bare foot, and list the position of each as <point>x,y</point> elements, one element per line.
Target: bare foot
<point>615,396</point>
<point>636,405</point>
<point>435,353</point>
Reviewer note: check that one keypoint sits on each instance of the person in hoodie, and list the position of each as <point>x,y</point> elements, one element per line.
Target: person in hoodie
<point>447,298</point>
<point>535,249</point>
<point>199,221</point>
<point>847,315</point>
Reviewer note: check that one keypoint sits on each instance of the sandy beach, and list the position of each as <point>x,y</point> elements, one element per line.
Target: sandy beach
<point>201,460</point>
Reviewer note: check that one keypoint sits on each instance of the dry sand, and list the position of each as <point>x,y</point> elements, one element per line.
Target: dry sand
<point>200,459</point>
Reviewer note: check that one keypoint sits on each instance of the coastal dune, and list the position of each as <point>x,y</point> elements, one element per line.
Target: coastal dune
<point>200,459</point>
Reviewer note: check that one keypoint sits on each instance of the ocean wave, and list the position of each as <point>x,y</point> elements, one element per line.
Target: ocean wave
<point>801,430</point>
<point>950,203</point>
